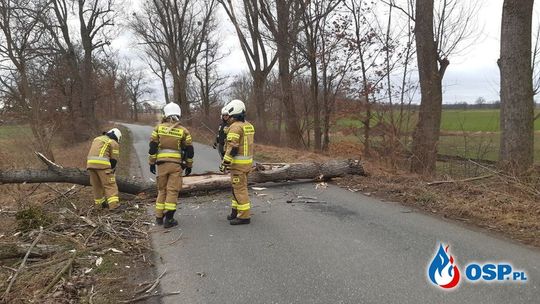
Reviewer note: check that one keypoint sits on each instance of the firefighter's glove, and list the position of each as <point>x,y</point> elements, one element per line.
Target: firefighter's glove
<point>224,167</point>
<point>153,168</point>
<point>187,171</point>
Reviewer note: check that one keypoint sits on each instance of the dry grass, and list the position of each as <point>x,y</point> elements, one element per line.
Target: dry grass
<point>499,203</point>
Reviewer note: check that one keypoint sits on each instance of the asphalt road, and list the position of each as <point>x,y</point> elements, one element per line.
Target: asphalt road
<point>350,249</point>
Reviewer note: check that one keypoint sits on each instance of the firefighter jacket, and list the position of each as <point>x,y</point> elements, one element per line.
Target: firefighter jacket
<point>170,142</point>
<point>103,151</point>
<point>239,146</point>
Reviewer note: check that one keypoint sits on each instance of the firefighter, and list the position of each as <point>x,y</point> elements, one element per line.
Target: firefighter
<point>101,165</point>
<point>238,159</point>
<point>172,151</point>
<point>222,133</point>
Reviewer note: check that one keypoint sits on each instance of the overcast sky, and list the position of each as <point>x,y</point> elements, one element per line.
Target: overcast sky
<point>472,74</point>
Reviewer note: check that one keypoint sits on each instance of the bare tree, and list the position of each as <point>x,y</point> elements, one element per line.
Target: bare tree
<point>364,38</point>
<point>313,14</point>
<point>21,75</point>
<point>426,134</point>
<point>210,84</point>
<point>137,86</point>
<point>96,20</point>
<point>250,32</point>
<point>174,31</point>
<point>452,26</point>
<point>282,17</point>
<point>517,103</point>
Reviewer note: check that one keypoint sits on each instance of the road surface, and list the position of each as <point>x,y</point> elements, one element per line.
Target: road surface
<point>351,249</point>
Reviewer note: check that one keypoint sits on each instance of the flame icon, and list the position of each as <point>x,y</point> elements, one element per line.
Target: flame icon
<point>442,270</point>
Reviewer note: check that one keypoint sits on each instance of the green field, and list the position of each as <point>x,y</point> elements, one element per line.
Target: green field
<point>468,144</point>
<point>452,120</point>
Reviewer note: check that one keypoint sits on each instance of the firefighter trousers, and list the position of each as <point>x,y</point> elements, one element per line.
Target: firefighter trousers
<point>169,182</point>
<point>240,199</point>
<point>104,185</point>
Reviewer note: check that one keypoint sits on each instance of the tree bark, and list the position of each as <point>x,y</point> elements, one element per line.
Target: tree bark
<point>259,81</point>
<point>283,39</point>
<point>197,183</point>
<point>426,134</point>
<point>517,103</point>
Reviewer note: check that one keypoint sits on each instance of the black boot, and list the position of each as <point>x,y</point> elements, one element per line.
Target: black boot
<point>159,220</point>
<point>233,214</point>
<point>169,220</point>
<point>239,221</point>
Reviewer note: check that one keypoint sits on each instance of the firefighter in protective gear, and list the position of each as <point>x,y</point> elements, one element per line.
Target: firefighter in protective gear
<point>238,159</point>
<point>101,165</point>
<point>172,151</point>
<point>222,133</point>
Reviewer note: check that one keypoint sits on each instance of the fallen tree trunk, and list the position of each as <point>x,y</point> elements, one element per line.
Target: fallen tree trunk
<point>204,182</point>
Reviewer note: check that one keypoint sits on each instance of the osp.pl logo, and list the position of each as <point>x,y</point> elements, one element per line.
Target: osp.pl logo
<point>444,273</point>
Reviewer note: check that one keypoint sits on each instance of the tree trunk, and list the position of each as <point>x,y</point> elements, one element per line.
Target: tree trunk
<point>315,99</point>
<point>183,99</point>
<point>426,134</point>
<point>87,114</point>
<point>135,110</point>
<point>294,135</point>
<point>197,183</point>
<point>517,103</point>
<point>259,80</point>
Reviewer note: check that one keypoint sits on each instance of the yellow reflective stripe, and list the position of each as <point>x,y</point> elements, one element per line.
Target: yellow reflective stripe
<point>245,145</point>
<point>116,151</point>
<point>160,206</point>
<point>99,200</point>
<point>242,160</point>
<point>248,129</point>
<point>244,207</point>
<point>170,206</point>
<point>188,138</point>
<point>152,156</point>
<point>169,155</point>
<point>232,135</point>
<point>227,158</point>
<point>154,134</point>
<point>113,199</point>
<point>104,148</point>
<point>189,160</point>
<point>234,204</point>
<point>98,162</point>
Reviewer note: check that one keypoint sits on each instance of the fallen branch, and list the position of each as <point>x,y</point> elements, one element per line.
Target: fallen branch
<point>23,263</point>
<point>461,180</point>
<point>178,239</point>
<point>145,297</point>
<point>58,275</point>
<point>156,282</point>
<point>14,250</point>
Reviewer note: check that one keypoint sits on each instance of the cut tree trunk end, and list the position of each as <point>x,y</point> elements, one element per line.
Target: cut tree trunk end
<point>196,183</point>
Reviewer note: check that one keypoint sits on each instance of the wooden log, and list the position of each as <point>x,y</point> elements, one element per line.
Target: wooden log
<point>204,182</point>
<point>15,250</point>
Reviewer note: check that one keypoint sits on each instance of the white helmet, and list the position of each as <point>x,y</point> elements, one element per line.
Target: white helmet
<point>224,111</point>
<point>172,109</point>
<point>116,133</point>
<point>235,107</point>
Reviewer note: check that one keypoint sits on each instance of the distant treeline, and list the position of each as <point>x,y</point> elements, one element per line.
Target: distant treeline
<point>477,106</point>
